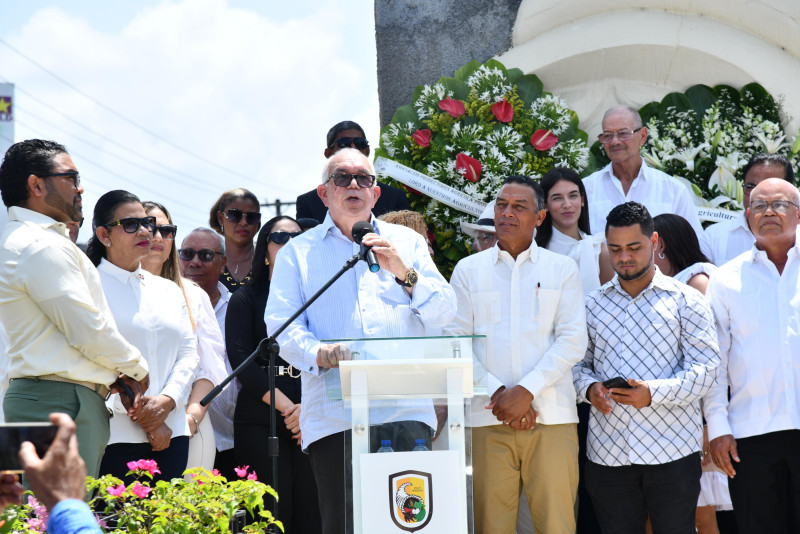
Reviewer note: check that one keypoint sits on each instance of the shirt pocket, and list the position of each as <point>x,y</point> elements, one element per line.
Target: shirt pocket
<point>486,310</point>
<point>544,307</point>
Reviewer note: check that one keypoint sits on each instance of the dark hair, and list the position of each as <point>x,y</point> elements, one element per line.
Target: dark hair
<point>765,159</point>
<point>306,223</point>
<point>104,212</point>
<point>340,127</point>
<point>681,246</point>
<point>22,159</point>
<point>538,193</point>
<point>629,214</point>
<point>226,198</point>
<point>260,272</point>
<point>170,269</point>
<point>550,179</point>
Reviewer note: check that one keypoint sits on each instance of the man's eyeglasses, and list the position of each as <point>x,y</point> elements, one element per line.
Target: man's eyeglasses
<point>252,218</point>
<point>281,238</point>
<point>205,255</point>
<point>131,225</point>
<point>622,135</point>
<point>167,231</point>
<point>72,175</point>
<point>778,206</point>
<point>360,142</point>
<point>344,180</point>
<point>486,238</point>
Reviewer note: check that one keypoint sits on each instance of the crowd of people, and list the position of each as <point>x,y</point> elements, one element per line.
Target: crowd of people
<point>639,367</point>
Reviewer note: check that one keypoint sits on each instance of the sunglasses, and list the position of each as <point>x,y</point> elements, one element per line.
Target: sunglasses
<point>344,180</point>
<point>281,238</point>
<point>205,254</point>
<point>251,217</point>
<point>131,225</point>
<point>72,175</point>
<point>167,231</point>
<point>360,142</point>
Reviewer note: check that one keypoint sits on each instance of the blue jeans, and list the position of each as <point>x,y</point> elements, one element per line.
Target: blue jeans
<point>625,496</point>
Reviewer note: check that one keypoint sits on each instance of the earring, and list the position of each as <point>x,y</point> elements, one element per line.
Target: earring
<point>661,256</point>
<point>108,243</point>
<point>266,262</point>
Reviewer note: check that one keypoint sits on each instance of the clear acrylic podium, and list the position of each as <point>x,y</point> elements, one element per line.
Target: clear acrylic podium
<point>401,389</point>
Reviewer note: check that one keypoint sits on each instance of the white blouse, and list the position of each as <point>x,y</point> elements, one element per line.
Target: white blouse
<point>698,268</point>
<point>152,315</point>
<point>585,252</point>
<point>210,344</point>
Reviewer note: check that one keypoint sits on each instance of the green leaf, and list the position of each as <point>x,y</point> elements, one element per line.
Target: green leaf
<point>466,71</point>
<point>514,75</point>
<point>460,89</point>
<point>676,100</point>
<point>494,64</point>
<point>648,111</point>
<point>529,88</point>
<point>701,97</point>
<point>406,114</point>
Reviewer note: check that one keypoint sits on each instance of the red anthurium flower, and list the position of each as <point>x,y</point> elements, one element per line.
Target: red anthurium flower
<point>422,138</point>
<point>471,167</point>
<point>503,111</point>
<point>411,189</point>
<point>543,140</point>
<point>454,107</point>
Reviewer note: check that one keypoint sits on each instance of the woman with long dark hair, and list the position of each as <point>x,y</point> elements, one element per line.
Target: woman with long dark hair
<point>236,216</point>
<point>151,313</point>
<point>565,228</point>
<point>245,328</point>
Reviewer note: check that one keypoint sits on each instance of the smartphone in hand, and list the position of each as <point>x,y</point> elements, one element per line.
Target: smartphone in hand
<point>13,434</point>
<point>616,382</point>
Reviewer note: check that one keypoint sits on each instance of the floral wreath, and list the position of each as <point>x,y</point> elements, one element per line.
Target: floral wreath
<point>472,131</point>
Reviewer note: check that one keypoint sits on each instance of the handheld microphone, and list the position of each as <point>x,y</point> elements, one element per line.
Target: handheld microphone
<point>360,229</point>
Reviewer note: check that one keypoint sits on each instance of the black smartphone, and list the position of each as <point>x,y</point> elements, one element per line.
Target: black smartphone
<point>13,434</point>
<point>616,382</point>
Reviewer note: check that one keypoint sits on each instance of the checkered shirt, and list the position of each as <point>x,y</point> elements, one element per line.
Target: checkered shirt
<point>665,336</point>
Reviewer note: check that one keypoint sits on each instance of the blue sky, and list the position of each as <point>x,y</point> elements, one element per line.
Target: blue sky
<point>249,86</point>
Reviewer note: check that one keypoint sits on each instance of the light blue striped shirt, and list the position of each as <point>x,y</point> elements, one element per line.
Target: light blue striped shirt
<point>361,304</point>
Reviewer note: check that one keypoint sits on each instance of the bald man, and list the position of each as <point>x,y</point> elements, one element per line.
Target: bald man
<point>755,436</point>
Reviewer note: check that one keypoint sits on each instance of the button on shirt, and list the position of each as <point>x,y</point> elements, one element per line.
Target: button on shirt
<point>360,304</point>
<point>531,310</point>
<point>758,322</point>
<point>151,313</point>
<point>53,307</point>
<point>666,337</point>
<point>659,192</point>
<point>723,241</point>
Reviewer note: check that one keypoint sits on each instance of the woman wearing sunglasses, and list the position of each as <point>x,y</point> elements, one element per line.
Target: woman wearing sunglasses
<point>163,261</point>
<point>236,215</point>
<point>245,328</point>
<point>151,313</point>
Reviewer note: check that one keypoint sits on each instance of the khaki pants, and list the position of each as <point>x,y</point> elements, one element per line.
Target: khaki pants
<point>31,399</point>
<point>544,460</point>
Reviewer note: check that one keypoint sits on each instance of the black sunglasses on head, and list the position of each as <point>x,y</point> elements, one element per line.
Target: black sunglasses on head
<point>167,231</point>
<point>281,238</point>
<point>360,142</point>
<point>131,224</point>
<point>251,217</point>
<point>205,254</point>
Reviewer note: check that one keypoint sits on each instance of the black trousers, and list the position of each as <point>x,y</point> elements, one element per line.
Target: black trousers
<point>624,496</point>
<point>333,473</point>
<point>171,461</point>
<point>298,507</point>
<point>766,489</point>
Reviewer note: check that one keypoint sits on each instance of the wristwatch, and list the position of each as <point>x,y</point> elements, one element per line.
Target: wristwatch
<point>411,278</point>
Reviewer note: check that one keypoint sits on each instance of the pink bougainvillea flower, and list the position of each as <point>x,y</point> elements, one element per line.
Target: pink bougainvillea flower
<point>116,491</point>
<point>133,466</point>
<point>422,138</point>
<point>454,107</point>
<point>470,167</point>
<point>252,476</point>
<point>216,473</point>
<point>139,490</point>
<point>241,471</point>
<point>145,465</point>
<point>543,140</point>
<point>503,111</point>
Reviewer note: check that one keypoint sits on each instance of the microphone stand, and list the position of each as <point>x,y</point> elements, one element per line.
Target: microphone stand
<point>268,350</point>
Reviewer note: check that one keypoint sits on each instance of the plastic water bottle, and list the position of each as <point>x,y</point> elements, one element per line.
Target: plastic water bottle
<point>386,446</point>
<point>420,446</point>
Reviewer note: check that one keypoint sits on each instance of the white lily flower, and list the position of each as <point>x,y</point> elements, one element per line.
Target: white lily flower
<point>732,162</point>
<point>730,189</point>
<point>688,155</point>
<point>771,145</point>
<point>652,160</point>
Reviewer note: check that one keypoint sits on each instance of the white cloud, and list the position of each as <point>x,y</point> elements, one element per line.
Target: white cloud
<point>252,93</point>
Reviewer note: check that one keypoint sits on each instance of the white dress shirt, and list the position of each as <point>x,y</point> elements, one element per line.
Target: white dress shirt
<point>723,241</point>
<point>360,304</point>
<point>53,308</point>
<point>210,343</point>
<point>151,312</point>
<point>664,336</point>
<point>658,191</point>
<point>758,322</point>
<point>585,252</point>
<point>531,310</point>
<point>221,409</point>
